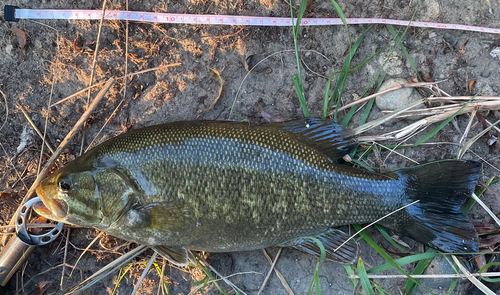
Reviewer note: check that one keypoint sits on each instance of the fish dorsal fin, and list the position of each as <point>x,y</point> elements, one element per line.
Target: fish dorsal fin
<point>176,255</point>
<point>325,135</point>
<point>331,240</point>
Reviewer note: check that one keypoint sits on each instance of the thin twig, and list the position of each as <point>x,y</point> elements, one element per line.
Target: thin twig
<point>280,276</point>
<point>482,204</point>
<point>467,129</point>
<point>148,70</point>
<point>401,86</point>
<point>96,51</point>
<point>84,251</point>
<point>270,271</point>
<point>78,93</point>
<point>63,144</point>
<point>471,278</point>
<point>145,272</point>
<point>222,277</point>
<point>376,221</point>
<point>32,124</point>
<point>68,231</point>
<point>6,110</point>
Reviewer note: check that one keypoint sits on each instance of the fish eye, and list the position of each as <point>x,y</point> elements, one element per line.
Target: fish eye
<point>64,186</point>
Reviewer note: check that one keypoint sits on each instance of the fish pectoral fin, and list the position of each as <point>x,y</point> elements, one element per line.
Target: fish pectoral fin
<point>176,255</point>
<point>325,135</point>
<point>332,241</point>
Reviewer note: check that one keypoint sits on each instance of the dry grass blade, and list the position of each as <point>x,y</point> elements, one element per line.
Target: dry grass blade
<point>269,272</point>
<point>32,124</point>
<point>471,278</point>
<point>77,93</point>
<point>367,98</point>
<point>108,269</point>
<point>92,73</point>
<point>6,109</point>
<point>65,141</point>
<point>61,284</point>
<point>148,70</point>
<point>86,249</point>
<point>280,276</point>
<point>145,272</point>
<point>467,129</point>
<point>379,121</point>
<point>473,105</point>
<point>471,141</point>
<point>482,204</point>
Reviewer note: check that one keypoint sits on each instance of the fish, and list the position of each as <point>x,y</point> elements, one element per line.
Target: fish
<point>220,186</point>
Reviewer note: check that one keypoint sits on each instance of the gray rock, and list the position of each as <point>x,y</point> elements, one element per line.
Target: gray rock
<point>399,98</point>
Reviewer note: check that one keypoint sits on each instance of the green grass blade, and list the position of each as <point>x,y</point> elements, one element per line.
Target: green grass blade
<point>352,111</point>
<point>386,256</point>
<point>380,290</point>
<point>208,274</point>
<point>369,106</point>
<point>485,267</point>
<point>339,87</point>
<point>345,67</point>
<point>350,272</point>
<point>363,277</point>
<point>315,280</point>
<point>471,202</point>
<point>454,282</point>
<point>388,237</point>
<point>441,126</point>
<point>300,94</point>
<point>405,52</point>
<point>297,79</point>
<point>160,273</point>
<point>123,271</point>
<point>420,269</point>
<point>342,17</point>
<point>403,261</point>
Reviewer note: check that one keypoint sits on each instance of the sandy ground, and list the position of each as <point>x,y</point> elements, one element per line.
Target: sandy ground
<point>57,59</point>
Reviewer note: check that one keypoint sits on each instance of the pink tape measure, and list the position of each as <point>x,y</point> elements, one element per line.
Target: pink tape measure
<point>14,13</point>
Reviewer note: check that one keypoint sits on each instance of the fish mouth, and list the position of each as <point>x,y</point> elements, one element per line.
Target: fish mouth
<point>50,208</point>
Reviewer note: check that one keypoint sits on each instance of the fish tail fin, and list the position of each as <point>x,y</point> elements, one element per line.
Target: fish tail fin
<point>441,189</point>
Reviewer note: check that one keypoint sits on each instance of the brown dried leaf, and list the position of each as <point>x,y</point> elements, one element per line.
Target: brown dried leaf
<point>221,83</point>
<point>21,36</point>
<point>5,195</point>
<point>480,260</point>
<point>427,77</point>
<point>470,86</point>
<point>42,286</point>
<point>413,79</point>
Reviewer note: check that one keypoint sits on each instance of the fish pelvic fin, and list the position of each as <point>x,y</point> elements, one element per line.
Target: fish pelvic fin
<point>441,189</point>
<point>176,255</point>
<point>325,135</point>
<point>334,242</point>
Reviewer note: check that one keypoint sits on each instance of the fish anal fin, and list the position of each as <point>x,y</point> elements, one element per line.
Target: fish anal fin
<point>331,240</point>
<point>176,255</point>
<point>325,135</point>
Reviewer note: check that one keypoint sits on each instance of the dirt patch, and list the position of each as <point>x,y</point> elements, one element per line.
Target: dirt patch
<point>58,59</point>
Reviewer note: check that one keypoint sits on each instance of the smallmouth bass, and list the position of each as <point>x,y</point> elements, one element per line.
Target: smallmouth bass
<point>227,186</point>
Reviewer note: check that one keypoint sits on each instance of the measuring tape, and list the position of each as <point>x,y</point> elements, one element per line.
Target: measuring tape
<point>14,13</point>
